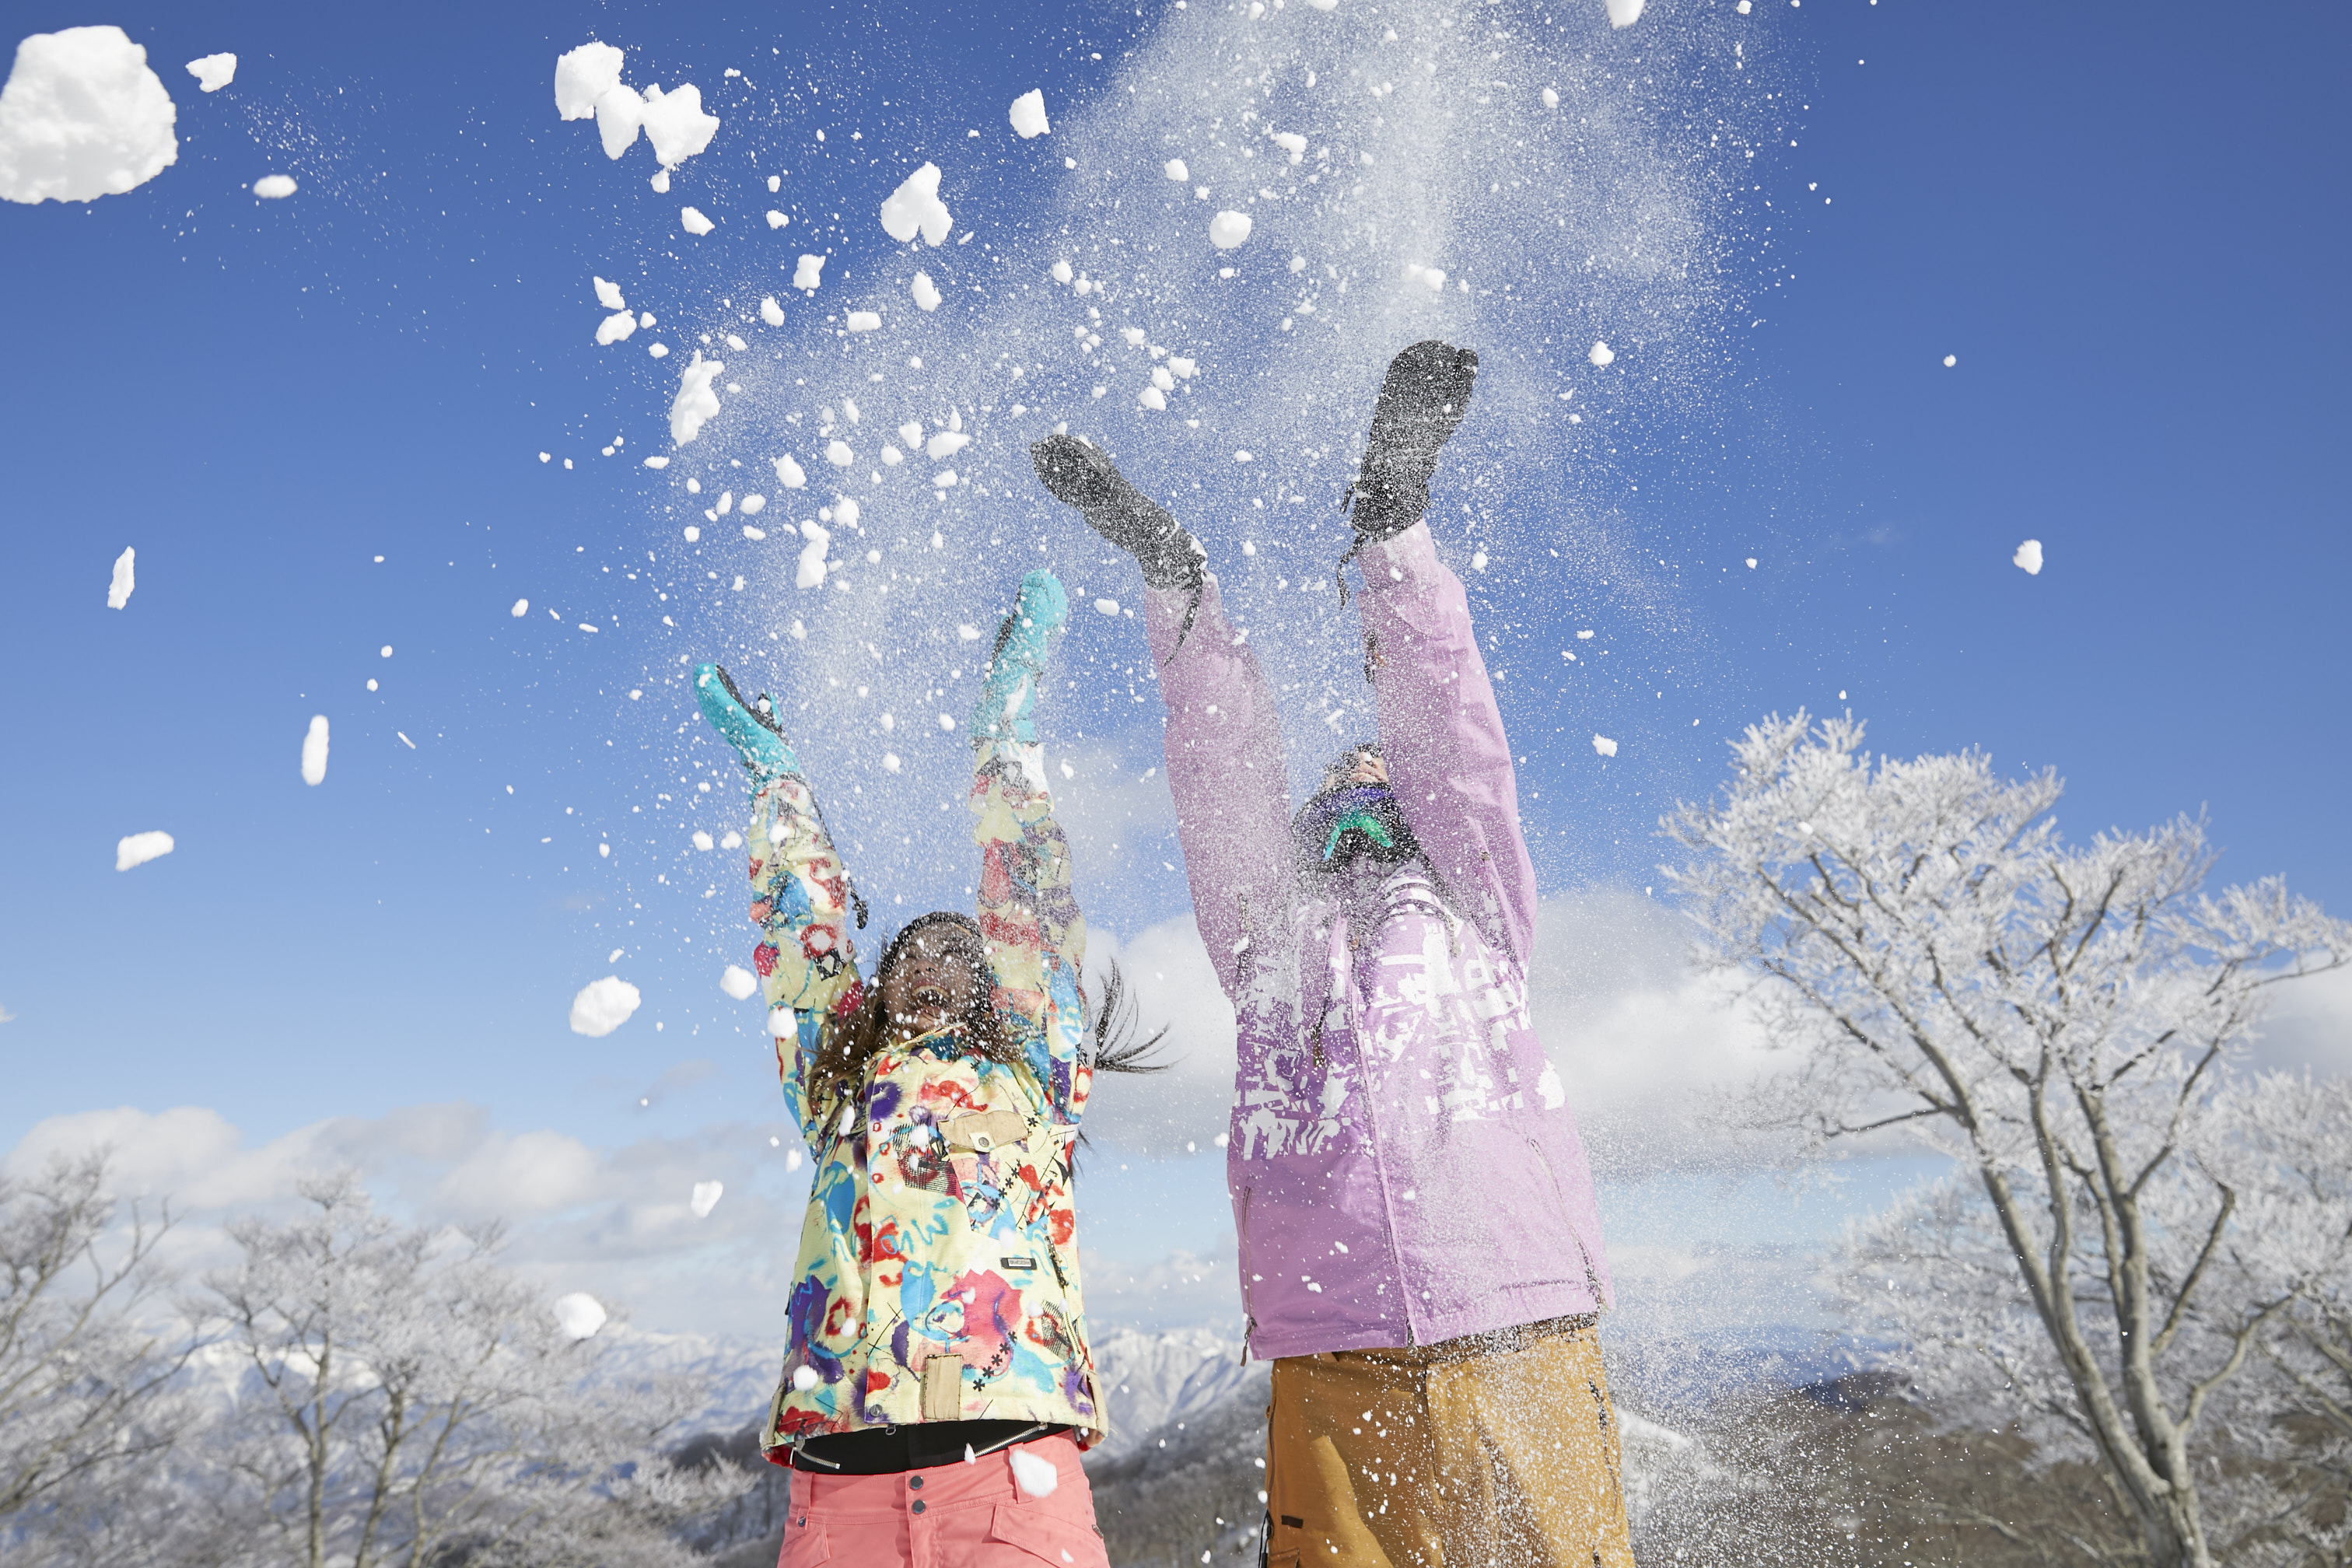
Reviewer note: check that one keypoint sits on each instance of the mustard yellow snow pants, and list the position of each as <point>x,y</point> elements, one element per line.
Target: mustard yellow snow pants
<point>1496,1451</point>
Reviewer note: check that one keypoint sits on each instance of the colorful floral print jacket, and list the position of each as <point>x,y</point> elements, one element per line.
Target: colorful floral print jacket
<point>938,1276</point>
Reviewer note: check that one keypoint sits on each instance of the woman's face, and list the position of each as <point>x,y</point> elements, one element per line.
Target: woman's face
<point>939,976</point>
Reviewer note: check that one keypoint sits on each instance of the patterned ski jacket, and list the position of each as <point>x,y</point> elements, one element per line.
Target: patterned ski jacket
<point>1403,1165</point>
<point>938,1275</point>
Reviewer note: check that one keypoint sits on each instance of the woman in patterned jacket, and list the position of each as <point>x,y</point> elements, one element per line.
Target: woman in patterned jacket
<point>938,1385</point>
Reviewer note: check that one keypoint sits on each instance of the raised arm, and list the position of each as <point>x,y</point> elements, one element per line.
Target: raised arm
<point>1223,742</point>
<point>1028,912</point>
<point>1226,772</point>
<point>806,960</point>
<point>1442,735</point>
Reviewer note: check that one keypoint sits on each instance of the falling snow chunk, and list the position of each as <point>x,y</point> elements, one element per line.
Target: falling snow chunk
<point>864,321</point>
<point>1028,116</point>
<point>811,571</point>
<point>965,634</point>
<point>118,592</point>
<point>521,609</point>
<point>1182,366</point>
<point>754,504</point>
<point>702,840</point>
<point>1479,561</point>
<point>926,293</point>
<point>1623,14</point>
<point>693,533</point>
<point>586,627</point>
<point>608,294</point>
<point>1604,745</point>
<point>772,313</point>
<point>2029,557</point>
<point>1602,356</point>
<point>212,72</point>
<point>140,848</point>
<point>1229,229</point>
<point>1175,170</point>
<point>945,480</point>
<point>581,77</point>
<point>656,462</point>
<point>604,1006</point>
<point>675,124</point>
<point>543,457</point>
<point>1240,456</point>
<point>314,751</point>
<point>1034,1475</point>
<point>620,115</point>
<point>1745,7</point>
<point>82,117</point>
<point>915,208</point>
<point>617,327</point>
<point>807,1377</point>
<point>1550,99</point>
<point>274,187</point>
<point>738,982</point>
<point>809,273</point>
<point>578,1315</point>
<point>694,403</point>
<point>946,444</point>
<point>706,1197</point>
<point>1062,273</point>
<point>838,454</point>
<point>659,351</point>
<point>790,474</point>
<point>1154,398</point>
<point>890,763</point>
<point>693,221</point>
<point>1951,360</point>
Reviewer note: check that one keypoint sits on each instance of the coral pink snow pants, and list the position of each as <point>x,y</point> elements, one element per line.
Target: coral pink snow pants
<point>952,1516</point>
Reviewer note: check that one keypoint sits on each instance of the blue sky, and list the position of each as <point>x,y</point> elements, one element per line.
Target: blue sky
<point>2126,228</point>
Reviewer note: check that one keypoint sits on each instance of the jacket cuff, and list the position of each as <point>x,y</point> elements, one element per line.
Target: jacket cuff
<point>1398,560</point>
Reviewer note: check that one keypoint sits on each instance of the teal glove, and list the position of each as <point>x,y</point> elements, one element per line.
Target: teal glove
<point>1017,671</point>
<point>757,741</point>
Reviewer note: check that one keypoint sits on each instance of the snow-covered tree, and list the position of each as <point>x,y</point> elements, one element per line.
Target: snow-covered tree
<point>2060,1020</point>
<point>405,1399</point>
<point>82,1375</point>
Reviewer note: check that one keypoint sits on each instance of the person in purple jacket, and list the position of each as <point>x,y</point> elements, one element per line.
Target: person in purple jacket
<point>1421,1250</point>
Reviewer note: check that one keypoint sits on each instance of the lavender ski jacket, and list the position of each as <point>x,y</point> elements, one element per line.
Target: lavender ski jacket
<point>1403,1165</point>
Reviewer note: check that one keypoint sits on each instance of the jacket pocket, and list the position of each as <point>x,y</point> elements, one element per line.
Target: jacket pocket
<point>804,1543</point>
<point>1048,1535</point>
<point>1567,1218</point>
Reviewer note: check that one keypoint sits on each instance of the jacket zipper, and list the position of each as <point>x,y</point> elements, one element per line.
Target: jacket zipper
<point>1249,1317</point>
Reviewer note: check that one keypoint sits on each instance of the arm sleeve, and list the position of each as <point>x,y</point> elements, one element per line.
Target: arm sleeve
<point>1036,937</point>
<point>1449,761</point>
<point>1226,772</point>
<point>806,963</point>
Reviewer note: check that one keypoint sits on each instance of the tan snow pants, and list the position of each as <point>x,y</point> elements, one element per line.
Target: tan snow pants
<point>1496,1450</point>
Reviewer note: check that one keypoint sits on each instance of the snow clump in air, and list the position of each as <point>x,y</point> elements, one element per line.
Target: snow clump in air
<point>1175,170</point>
<point>578,1315</point>
<point>706,1197</point>
<point>274,187</point>
<point>615,328</point>
<point>117,593</point>
<point>926,293</point>
<point>582,76</point>
<point>864,321</point>
<point>772,313</point>
<point>1602,356</point>
<point>693,221</point>
<point>1951,360</point>
<point>1623,14</point>
<point>790,474</point>
<point>1028,114</point>
<point>1229,229</point>
<point>696,403</point>
<point>915,208</point>
<point>608,294</point>
<point>2029,557</point>
<point>675,124</point>
<point>809,273</point>
<point>314,751</point>
<point>82,117</point>
<point>604,1006</point>
<point>738,982</point>
<point>1604,745</point>
<point>141,848</point>
<point>521,609</point>
<point>213,72</point>
<point>810,573</point>
<point>1035,1476</point>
